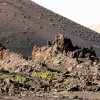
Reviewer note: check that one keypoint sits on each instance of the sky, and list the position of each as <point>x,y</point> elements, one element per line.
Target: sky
<point>84,12</point>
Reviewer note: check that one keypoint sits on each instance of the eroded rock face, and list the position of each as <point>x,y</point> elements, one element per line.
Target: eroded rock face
<point>61,45</point>
<point>13,62</point>
<point>61,54</point>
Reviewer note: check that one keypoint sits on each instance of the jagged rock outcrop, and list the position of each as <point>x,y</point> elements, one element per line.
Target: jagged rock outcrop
<point>14,62</point>
<point>58,55</point>
<point>61,54</point>
<point>61,45</point>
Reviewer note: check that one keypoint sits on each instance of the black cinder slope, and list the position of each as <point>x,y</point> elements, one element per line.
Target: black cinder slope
<point>24,24</point>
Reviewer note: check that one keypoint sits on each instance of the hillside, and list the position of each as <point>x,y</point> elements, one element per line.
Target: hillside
<point>24,24</point>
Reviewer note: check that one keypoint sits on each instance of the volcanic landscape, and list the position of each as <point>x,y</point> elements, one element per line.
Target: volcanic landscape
<point>45,55</point>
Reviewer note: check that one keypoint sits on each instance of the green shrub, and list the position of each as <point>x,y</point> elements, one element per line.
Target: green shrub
<point>3,76</point>
<point>19,79</point>
<point>1,68</point>
<point>48,75</point>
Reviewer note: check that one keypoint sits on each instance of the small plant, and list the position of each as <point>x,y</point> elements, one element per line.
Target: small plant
<point>19,79</point>
<point>48,75</point>
<point>3,76</point>
<point>1,68</point>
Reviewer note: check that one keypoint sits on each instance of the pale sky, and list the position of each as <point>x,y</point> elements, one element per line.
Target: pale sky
<point>85,12</point>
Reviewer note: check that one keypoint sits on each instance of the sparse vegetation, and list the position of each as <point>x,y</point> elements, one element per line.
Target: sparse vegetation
<point>19,79</point>
<point>48,75</point>
<point>1,68</point>
<point>3,76</point>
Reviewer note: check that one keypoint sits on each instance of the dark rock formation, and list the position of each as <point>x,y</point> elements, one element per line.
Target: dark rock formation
<point>62,45</point>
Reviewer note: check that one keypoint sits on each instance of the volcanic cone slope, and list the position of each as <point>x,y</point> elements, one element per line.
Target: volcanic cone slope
<point>24,24</point>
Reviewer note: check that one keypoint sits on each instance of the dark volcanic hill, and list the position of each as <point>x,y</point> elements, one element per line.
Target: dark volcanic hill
<point>24,24</point>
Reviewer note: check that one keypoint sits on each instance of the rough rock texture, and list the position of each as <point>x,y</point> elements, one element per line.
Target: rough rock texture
<point>78,69</point>
<point>61,45</point>
<point>61,54</point>
<point>13,62</point>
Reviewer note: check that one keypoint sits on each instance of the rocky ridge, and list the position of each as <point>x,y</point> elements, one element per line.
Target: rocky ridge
<point>54,68</point>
